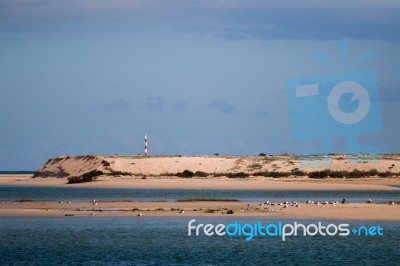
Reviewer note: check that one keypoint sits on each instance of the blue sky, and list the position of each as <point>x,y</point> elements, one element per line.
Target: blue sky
<point>199,77</point>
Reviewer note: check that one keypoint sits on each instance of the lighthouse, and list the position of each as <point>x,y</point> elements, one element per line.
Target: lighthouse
<point>145,144</point>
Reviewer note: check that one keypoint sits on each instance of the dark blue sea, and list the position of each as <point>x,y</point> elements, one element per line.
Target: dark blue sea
<point>165,241</point>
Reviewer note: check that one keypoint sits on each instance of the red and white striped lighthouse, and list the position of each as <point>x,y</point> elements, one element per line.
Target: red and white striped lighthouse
<point>145,144</point>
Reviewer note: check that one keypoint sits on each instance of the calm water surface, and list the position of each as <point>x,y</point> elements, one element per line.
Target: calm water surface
<point>164,241</point>
<point>12,193</point>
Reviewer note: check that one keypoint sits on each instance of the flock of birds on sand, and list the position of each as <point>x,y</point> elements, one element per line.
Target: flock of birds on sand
<point>284,205</point>
<point>288,204</point>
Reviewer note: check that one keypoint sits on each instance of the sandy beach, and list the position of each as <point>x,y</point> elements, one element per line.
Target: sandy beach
<point>352,211</point>
<point>212,183</point>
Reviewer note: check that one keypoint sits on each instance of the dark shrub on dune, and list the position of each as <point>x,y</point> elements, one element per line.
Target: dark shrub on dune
<point>319,174</point>
<point>279,174</point>
<point>385,174</point>
<point>118,173</point>
<point>105,163</point>
<point>373,172</point>
<point>337,174</point>
<point>201,174</point>
<point>185,174</point>
<point>298,173</point>
<point>86,177</point>
<point>237,175</point>
<point>356,174</point>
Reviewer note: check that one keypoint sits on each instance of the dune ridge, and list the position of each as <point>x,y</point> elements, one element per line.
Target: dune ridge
<point>118,165</point>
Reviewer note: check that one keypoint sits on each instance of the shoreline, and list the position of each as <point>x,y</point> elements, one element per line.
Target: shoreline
<point>348,211</point>
<point>220,183</point>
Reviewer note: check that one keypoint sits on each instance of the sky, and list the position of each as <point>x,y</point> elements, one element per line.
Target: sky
<point>198,77</point>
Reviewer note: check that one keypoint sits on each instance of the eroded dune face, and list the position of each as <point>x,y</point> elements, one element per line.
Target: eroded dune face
<point>66,166</point>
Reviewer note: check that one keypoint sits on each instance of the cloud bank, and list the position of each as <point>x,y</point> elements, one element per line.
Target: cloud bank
<point>234,19</point>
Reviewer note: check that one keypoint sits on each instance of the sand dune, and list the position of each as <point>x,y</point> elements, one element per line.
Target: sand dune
<point>160,172</point>
<point>65,166</point>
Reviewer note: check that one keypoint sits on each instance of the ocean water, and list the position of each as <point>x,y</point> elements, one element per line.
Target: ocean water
<point>164,241</point>
<point>12,193</point>
<point>17,172</point>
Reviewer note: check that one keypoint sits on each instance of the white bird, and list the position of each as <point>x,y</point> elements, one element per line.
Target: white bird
<point>92,214</point>
<point>139,214</point>
<point>369,201</point>
<point>182,211</point>
<point>249,205</point>
<point>298,205</point>
<point>95,203</point>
